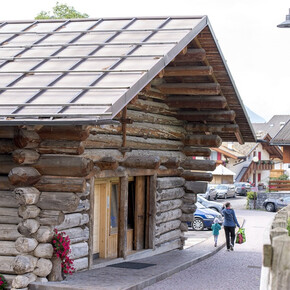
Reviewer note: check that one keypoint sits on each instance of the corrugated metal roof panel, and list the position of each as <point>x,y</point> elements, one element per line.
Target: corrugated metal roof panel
<point>145,45</point>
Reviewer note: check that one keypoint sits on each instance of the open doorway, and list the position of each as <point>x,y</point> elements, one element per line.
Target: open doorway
<point>108,215</point>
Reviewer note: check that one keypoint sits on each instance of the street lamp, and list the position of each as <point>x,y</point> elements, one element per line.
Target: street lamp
<point>285,24</point>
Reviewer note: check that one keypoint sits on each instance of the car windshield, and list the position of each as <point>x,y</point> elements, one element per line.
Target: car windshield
<point>199,205</point>
<point>221,187</point>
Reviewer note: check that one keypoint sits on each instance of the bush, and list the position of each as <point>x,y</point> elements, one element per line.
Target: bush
<point>283,177</point>
<point>252,195</point>
<point>288,227</point>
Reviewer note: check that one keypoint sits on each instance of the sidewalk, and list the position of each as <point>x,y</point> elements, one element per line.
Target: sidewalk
<point>164,265</point>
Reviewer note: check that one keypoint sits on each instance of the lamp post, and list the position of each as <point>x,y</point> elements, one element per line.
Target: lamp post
<point>285,24</point>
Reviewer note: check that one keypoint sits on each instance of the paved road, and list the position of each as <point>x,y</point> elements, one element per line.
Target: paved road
<point>227,270</point>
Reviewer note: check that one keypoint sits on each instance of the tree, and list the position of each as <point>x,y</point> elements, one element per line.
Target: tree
<point>61,11</point>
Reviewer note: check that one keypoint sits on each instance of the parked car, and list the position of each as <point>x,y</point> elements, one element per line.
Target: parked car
<point>274,204</point>
<point>204,217</point>
<point>210,204</point>
<point>225,191</point>
<point>211,193</point>
<point>242,188</point>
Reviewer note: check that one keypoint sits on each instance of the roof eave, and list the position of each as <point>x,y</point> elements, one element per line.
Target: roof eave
<point>233,82</point>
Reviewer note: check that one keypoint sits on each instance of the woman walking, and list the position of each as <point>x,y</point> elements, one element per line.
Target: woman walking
<point>230,222</point>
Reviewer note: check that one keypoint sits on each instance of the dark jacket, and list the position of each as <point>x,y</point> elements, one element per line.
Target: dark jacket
<point>230,219</point>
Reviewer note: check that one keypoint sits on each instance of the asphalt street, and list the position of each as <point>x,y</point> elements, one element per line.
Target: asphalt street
<point>239,269</point>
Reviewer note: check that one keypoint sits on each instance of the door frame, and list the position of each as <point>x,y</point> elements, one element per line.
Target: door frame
<point>123,208</point>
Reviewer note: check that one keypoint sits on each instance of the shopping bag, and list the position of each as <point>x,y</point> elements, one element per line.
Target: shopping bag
<point>241,236</point>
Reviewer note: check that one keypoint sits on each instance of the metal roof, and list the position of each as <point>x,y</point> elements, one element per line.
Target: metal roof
<point>83,71</point>
<point>273,126</point>
<point>283,136</point>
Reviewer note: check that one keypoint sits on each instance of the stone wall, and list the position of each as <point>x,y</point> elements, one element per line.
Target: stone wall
<point>262,196</point>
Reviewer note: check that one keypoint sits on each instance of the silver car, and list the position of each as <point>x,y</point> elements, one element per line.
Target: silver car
<point>225,191</point>
<point>211,193</point>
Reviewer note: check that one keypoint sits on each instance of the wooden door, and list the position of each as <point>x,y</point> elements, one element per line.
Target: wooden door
<point>105,233</point>
<point>140,213</point>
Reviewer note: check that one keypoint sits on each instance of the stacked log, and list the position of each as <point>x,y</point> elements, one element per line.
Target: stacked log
<point>40,183</point>
<point>168,210</point>
<point>45,172</point>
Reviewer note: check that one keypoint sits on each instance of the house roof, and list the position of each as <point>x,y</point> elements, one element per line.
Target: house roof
<point>272,127</point>
<point>86,71</point>
<point>231,153</point>
<point>265,140</point>
<point>283,136</point>
<point>221,170</point>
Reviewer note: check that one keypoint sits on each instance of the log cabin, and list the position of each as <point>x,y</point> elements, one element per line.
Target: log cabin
<point>99,121</point>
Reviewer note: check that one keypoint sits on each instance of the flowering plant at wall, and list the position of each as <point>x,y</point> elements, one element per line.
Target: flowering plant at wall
<point>61,247</point>
<point>3,283</point>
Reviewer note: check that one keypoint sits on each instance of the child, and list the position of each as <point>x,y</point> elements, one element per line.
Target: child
<point>215,230</point>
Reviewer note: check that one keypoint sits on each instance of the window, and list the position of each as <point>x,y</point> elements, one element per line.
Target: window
<point>114,208</point>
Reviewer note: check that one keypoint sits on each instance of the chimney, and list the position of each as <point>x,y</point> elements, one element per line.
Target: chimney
<point>282,125</point>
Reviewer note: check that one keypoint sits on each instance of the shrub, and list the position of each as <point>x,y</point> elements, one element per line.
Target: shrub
<point>283,177</point>
<point>288,227</point>
<point>252,195</point>
<point>61,247</point>
<point>3,282</point>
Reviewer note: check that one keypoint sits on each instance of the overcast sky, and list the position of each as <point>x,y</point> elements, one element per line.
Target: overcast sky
<point>257,52</point>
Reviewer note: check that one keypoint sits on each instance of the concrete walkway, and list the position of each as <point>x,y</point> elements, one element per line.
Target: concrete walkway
<point>164,266</point>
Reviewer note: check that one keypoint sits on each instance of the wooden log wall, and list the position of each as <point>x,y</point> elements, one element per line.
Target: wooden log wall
<point>46,171</point>
<point>44,184</point>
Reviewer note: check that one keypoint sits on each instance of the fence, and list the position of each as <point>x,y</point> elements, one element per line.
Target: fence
<point>275,273</point>
<point>279,185</point>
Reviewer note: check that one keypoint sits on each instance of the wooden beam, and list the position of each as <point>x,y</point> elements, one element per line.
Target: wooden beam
<point>197,176</point>
<point>152,211</point>
<point>196,151</point>
<point>7,146</point>
<point>190,88</point>
<point>222,116</point>
<point>202,165</point>
<point>239,136</point>
<point>123,210</point>
<point>195,186</point>
<point>124,124</point>
<point>188,71</point>
<point>152,94</point>
<point>61,183</point>
<point>62,165</point>
<point>197,102</point>
<point>107,163</point>
<point>24,176</point>
<point>151,107</point>
<point>61,147</point>
<point>148,162</point>
<point>192,55</point>
<point>7,132</point>
<point>203,140</point>
<point>74,133</point>
<point>146,117</point>
<point>213,128</point>
<point>114,141</point>
<point>25,156</point>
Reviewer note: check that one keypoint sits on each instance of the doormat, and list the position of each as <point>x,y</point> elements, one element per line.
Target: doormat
<point>132,265</point>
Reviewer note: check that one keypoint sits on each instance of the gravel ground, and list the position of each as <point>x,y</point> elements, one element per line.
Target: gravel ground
<point>239,269</point>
